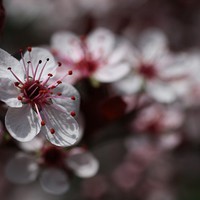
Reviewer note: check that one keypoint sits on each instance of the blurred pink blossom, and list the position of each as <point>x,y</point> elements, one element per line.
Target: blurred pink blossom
<point>100,55</point>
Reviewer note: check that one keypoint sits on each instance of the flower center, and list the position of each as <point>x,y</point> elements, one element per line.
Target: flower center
<point>36,90</point>
<point>86,66</point>
<point>148,71</point>
<point>33,90</point>
<point>53,156</point>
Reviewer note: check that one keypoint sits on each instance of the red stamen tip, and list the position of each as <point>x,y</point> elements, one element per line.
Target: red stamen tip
<point>20,50</point>
<point>73,114</point>
<point>29,49</point>
<point>59,64</point>
<point>59,93</point>
<point>19,98</point>
<point>52,131</point>
<point>59,82</point>
<point>70,72</point>
<point>9,68</point>
<point>50,75</point>
<point>52,87</point>
<point>43,123</point>
<point>73,98</point>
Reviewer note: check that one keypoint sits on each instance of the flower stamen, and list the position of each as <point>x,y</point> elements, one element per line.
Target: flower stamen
<point>10,69</point>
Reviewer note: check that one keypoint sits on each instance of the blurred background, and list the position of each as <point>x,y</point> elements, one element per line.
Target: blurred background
<point>146,149</point>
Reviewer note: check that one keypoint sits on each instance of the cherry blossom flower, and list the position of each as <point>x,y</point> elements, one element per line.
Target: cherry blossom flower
<point>192,61</point>
<point>100,56</point>
<point>155,70</point>
<point>54,164</point>
<point>43,106</point>
<point>126,176</point>
<point>158,119</point>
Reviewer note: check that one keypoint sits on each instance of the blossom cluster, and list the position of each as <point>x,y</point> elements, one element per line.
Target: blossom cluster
<point>97,110</point>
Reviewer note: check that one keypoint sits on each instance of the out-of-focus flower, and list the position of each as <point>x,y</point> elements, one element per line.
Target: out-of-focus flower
<point>143,163</point>
<point>43,106</point>
<point>100,56</point>
<point>161,75</point>
<point>55,165</point>
<point>192,61</point>
<point>146,167</point>
<point>141,151</point>
<point>126,176</point>
<point>158,119</point>
<point>161,121</point>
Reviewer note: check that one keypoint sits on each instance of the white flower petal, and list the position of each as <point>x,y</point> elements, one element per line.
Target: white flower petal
<point>161,91</point>
<point>54,181</point>
<point>32,146</point>
<point>38,54</point>
<point>101,43</point>
<point>128,85</point>
<point>67,45</point>
<point>6,60</point>
<point>81,123</point>
<point>179,66</point>
<point>121,52</point>
<point>22,123</point>
<point>181,87</point>
<point>65,126</point>
<point>22,169</point>
<point>82,162</point>
<point>9,93</point>
<point>192,62</point>
<point>60,71</point>
<point>169,141</point>
<point>111,73</point>
<point>153,44</point>
<point>68,91</point>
